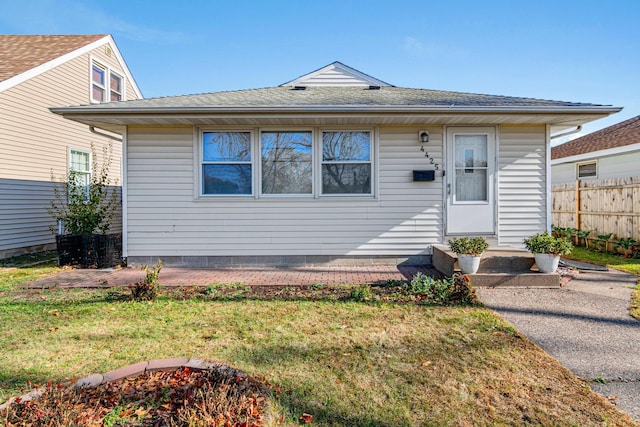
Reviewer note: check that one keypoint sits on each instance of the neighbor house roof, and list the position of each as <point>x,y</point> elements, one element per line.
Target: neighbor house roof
<point>336,94</point>
<point>19,53</point>
<point>616,136</point>
<point>23,57</point>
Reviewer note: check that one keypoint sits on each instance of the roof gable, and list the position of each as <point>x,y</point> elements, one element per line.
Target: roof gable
<point>616,136</point>
<point>336,74</point>
<point>23,57</point>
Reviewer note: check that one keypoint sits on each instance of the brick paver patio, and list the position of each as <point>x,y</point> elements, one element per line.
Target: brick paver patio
<point>252,276</point>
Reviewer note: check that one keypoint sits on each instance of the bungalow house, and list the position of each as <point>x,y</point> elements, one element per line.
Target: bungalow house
<point>334,166</point>
<point>612,152</point>
<point>36,72</point>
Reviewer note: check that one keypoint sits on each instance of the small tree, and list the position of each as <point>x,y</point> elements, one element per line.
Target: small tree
<point>85,210</point>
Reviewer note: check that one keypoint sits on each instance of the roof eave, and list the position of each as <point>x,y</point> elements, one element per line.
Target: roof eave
<point>112,111</point>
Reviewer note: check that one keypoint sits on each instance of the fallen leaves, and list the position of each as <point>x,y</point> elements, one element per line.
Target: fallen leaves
<point>306,418</point>
<point>181,397</point>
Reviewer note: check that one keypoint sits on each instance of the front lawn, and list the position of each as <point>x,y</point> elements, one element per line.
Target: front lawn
<point>343,362</point>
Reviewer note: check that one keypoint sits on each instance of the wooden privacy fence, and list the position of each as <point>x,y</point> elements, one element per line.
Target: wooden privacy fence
<point>603,205</point>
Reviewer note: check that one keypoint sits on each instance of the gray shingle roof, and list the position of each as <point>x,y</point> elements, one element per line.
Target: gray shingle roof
<point>327,96</point>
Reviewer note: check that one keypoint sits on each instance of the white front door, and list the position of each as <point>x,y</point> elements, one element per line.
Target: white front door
<point>470,180</point>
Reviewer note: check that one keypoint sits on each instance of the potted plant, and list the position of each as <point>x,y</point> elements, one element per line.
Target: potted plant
<point>469,251</point>
<point>547,250</point>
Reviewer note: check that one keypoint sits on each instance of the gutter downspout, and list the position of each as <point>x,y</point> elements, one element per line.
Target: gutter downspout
<point>570,132</point>
<point>93,130</point>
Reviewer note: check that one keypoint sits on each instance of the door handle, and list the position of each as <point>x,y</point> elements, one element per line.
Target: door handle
<point>448,188</point>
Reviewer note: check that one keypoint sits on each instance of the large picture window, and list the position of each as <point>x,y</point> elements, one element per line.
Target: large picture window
<point>286,162</point>
<point>226,166</point>
<point>346,162</point>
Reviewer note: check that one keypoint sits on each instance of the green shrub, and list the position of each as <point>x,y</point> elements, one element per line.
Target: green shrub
<point>545,243</point>
<point>456,290</point>
<point>362,293</point>
<point>147,290</point>
<point>85,209</point>
<point>468,245</point>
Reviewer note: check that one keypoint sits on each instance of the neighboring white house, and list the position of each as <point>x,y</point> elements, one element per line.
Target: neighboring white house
<point>612,152</point>
<point>334,166</point>
<point>36,72</point>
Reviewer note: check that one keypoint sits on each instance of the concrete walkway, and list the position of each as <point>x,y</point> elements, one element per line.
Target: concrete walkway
<point>586,326</point>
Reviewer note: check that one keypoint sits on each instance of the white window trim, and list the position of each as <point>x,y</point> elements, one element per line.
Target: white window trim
<point>259,163</point>
<point>595,162</point>
<point>107,81</point>
<point>92,83</point>
<point>371,161</point>
<point>122,85</point>
<point>256,162</point>
<point>84,151</point>
<point>200,191</point>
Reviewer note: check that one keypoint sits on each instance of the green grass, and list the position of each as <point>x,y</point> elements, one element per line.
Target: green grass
<point>610,260</point>
<point>345,363</point>
<point>616,262</point>
<point>23,268</point>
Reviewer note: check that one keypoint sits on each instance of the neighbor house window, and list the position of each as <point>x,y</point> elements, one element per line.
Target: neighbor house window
<point>98,82</point>
<point>587,170</point>
<point>106,84</point>
<point>226,163</point>
<point>80,171</point>
<point>286,162</point>
<point>346,162</point>
<point>115,87</point>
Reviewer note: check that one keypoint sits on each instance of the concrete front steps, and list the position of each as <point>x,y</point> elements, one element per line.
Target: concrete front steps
<point>499,266</point>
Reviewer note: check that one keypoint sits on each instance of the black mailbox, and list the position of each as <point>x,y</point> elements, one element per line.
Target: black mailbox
<point>424,175</point>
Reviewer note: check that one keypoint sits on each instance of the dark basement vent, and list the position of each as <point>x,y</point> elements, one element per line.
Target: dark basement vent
<point>374,87</point>
<point>299,88</point>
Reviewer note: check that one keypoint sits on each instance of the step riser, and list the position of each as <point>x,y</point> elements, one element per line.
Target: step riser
<point>498,267</point>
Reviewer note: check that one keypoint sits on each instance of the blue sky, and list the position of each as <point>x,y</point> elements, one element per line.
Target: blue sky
<point>582,50</point>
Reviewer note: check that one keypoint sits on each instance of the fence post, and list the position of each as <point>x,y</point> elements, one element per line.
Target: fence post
<point>577,204</point>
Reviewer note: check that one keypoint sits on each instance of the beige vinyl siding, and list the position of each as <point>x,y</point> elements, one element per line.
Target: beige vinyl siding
<point>522,202</point>
<point>34,143</point>
<point>164,218</point>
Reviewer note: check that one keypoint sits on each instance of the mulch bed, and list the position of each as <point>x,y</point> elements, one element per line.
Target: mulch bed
<point>183,397</point>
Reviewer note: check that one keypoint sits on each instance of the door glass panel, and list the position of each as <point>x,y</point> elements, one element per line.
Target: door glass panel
<point>470,156</point>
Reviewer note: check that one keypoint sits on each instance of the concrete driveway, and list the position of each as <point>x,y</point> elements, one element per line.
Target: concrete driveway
<point>586,326</point>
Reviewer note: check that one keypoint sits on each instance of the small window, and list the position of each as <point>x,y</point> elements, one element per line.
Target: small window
<point>346,162</point>
<point>226,166</point>
<point>98,83</point>
<point>286,162</point>
<point>106,84</point>
<point>80,171</point>
<point>587,170</point>
<point>115,87</point>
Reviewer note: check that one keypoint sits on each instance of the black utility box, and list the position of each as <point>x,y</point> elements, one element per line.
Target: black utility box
<point>424,175</point>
